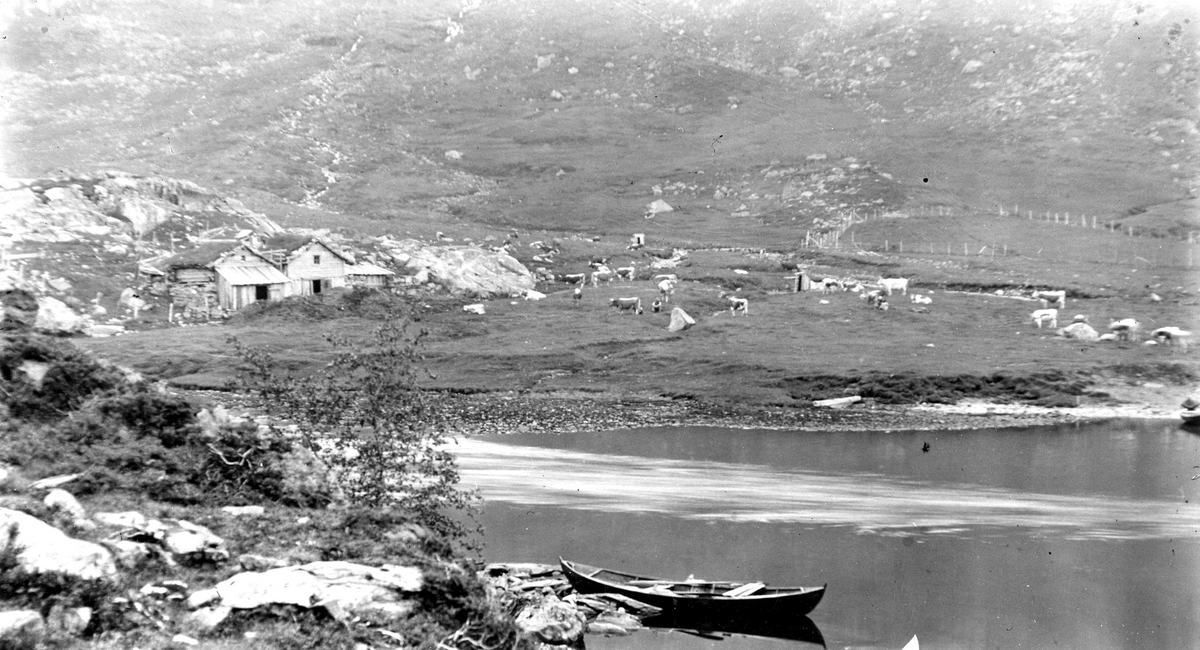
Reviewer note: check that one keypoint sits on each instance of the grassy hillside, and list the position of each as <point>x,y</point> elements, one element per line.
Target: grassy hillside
<point>924,124</point>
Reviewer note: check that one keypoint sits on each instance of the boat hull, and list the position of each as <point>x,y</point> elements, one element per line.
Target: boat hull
<point>777,602</point>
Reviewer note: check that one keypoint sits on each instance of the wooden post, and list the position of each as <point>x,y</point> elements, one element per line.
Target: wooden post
<point>171,312</point>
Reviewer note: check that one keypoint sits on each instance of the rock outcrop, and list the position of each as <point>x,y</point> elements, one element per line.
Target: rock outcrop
<point>467,270</point>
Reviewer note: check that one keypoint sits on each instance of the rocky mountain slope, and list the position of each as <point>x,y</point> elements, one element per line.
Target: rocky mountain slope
<point>566,116</point>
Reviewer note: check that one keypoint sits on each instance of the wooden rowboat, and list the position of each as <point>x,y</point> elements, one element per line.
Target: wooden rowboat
<point>718,601</point>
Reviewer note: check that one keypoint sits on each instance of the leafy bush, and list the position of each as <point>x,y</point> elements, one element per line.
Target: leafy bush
<point>72,377</point>
<point>374,426</point>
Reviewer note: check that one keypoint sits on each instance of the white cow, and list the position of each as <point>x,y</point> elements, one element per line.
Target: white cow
<point>1042,316</point>
<point>921,300</point>
<point>627,272</point>
<point>1125,329</point>
<point>1048,298</point>
<point>627,304</point>
<point>738,304</point>
<point>894,284</point>
<point>602,274</point>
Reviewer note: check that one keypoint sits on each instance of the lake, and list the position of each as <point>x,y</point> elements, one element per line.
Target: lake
<point>1077,536</point>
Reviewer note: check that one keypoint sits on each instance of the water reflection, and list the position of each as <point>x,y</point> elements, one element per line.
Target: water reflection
<point>871,503</point>
<point>794,629</point>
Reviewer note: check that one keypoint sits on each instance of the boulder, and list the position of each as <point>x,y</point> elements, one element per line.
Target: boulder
<point>680,320</point>
<point>55,317</point>
<point>129,554</point>
<point>44,549</point>
<point>70,621</point>
<point>252,562</point>
<point>1079,330</point>
<point>143,215</point>
<point>127,519</point>
<point>468,270</point>
<point>354,588</point>
<point>22,628</point>
<point>188,541</point>
<point>551,621</point>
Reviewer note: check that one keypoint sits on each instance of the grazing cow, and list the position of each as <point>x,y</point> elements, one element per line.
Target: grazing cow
<point>1042,316</point>
<point>665,289</point>
<point>1048,298</point>
<point>656,306</point>
<point>829,285</point>
<point>627,304</point>
<point>1171,335</point>
<point>574,278</point>
<point>894,284</point>
<point>852,285</point>
<point>577,296</point>
<point>598,263</point>
<point>627,272</point>
<point>602,275</point>
<point>738,304</point>
<point>1125,329</point>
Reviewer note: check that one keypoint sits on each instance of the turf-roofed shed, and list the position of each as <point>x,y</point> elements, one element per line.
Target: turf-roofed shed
<point>216,278</point>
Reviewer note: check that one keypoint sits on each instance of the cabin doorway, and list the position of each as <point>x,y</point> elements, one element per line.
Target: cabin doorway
<point>316,286</point>
<point>262,292</point>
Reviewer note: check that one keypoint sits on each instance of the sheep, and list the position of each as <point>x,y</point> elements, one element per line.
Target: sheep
<point>894,284</point>
<point>921,300</point>
<point>656,306</point>
<point>882,306</point>
<point>829,285</point>
<point>1171,335</point>
<point>1047,298</point>
<point>1125,329</point>
<point>1045,315</point>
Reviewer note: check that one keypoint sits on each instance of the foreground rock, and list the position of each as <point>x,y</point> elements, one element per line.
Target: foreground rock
<point>341,588</point>
<point>43,549</point>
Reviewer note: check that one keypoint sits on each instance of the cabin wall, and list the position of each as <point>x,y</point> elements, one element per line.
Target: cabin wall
<point>302,267</point>
<point>368,281</point>
<point>191,276</point>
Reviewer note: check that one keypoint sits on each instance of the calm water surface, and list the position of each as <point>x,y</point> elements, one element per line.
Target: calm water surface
<point>1067,537</point>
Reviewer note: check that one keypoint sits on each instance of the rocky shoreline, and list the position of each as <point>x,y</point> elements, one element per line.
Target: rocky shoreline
<point>503,413</point>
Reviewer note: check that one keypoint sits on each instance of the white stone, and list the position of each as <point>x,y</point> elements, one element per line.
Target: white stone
<point>42,548</point>
<point>244,511</point>
<point>56,317</point>
<point>127,519</point>
<point>21,628</point>
<point>59,500</point>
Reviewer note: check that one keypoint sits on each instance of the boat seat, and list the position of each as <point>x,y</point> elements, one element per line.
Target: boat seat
<point>744,590</point>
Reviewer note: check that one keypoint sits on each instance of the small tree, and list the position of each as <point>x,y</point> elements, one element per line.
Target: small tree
<point>365,416</point>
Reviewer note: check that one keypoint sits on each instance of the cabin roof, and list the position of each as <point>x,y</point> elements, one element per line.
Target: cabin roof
<point>243,275</point>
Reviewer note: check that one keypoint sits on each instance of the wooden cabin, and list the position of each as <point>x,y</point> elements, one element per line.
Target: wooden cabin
<point>311,264</point>
<point>244,276</point>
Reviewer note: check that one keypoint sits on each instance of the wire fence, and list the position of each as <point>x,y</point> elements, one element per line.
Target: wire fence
<point>1097,240</point>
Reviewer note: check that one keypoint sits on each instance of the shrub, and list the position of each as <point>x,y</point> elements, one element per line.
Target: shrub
<point>71,378</point>
<point>374,426</point>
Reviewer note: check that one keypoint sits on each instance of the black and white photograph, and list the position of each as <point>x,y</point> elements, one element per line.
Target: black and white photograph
<point>599,324</point>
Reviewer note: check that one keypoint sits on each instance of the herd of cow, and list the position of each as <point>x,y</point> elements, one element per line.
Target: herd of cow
<point>877,296</point>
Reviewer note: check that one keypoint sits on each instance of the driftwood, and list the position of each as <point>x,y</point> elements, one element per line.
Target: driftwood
<point>837,402</point>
